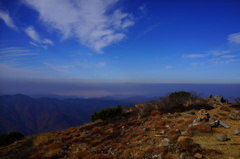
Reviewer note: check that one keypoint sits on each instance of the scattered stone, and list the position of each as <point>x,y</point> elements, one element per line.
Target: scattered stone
<point>214,123</point>
<point>224,124</point>
<point>162,132</point>
<point>236,132</point>
<point>182,156</point>
<point>198,156</point>
<point>212,118</point>
<point>146,129</point>
<point>195,122</point>
<point>156,157</point>
<point>165,142</point>
<point>204,117</point>
<point>167,126</point>
<point>202,111</point>
<point>222,137</point>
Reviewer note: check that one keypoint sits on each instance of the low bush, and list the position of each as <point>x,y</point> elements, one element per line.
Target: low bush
<point>107,113</point>
<point>7,139</point>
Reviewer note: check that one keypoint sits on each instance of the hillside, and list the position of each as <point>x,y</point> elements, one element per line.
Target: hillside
<point>161,129</point>
<point>36,115</point>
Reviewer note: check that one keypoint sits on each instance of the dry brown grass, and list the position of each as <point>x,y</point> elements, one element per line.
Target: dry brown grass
<point>41,139</point>
<point>83,155</point>
<point>53,153</point>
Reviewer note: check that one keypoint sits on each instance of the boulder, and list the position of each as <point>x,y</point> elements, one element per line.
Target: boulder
<point>222,137</point>
<point>236,132</point>
<point>165,142</point>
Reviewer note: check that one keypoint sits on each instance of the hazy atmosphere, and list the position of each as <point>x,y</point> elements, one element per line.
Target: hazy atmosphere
<point>94,48</point>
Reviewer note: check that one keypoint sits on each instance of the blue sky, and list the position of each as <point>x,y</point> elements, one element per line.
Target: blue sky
<point>119,41</point>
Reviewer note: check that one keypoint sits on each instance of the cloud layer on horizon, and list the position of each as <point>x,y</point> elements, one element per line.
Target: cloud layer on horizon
<point>95,25</point>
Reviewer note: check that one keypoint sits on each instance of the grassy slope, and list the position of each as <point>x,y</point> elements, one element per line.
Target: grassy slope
<point>134,137</point>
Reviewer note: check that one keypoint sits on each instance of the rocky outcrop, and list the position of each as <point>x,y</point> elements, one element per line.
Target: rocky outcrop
<point>218,98</point>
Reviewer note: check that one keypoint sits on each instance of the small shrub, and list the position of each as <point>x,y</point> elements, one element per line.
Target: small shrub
<point>108,131</point>
<point>155,112</point>
<point>83,154</point>
<point>145,109</point>
<point>102,156</point>
<point>174,138</point>
<point>130,153</point>
<point>201,128</point>
<point>7,139</point>
<point>107,113</point>
<point>95,142</point>
<point>151,151</point>
<point>186,143</point>
<point>237,99</point>
<point>96,129</point>
<point>52,146</point>
<point>146,139</point>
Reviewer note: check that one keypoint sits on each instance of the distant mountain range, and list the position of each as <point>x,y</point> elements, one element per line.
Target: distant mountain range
<point>35,115</point>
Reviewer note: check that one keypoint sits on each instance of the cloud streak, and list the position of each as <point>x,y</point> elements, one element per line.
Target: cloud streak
<point>219,56</point>
<point>32,33</point>
<point>95,23</point>
<point>15,52</point>
<point>8,20</point>
<point>234,38</point>
<point>63,69</point>
<point>194,55</point>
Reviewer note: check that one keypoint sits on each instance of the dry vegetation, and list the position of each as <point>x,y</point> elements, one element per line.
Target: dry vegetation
<point>145,131</point>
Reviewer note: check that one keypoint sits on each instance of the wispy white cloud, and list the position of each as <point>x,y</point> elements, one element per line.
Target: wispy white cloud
<point>89,65</point>
<point>168,67</point>
<point>33,43</point>
<point>101,64</point>
<point>234,38</point>
<point>225,56</point>
<point>48,41</point>
<point>228,56</point>
<point>95,23</point>
<point>32,33</point>
<point>194,55</point>
<point>223,61</point>
<point>8,20</point>
<point>59,68</point>
<point>143,8</point>
<point>12,72</point>
<point>15,52</point>
<point>147,30</point>
<point>218,52</point>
